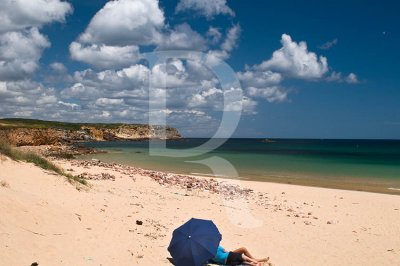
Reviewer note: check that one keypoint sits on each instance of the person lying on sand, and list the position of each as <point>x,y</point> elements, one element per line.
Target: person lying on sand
<point>240,256</point>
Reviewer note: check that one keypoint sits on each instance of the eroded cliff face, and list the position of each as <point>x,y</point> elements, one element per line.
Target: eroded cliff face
<point>54,136</point>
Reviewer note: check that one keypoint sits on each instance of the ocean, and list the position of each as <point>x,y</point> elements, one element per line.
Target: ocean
<point>366,165</point>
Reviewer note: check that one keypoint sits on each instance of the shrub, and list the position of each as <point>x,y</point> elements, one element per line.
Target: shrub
<point>37,160</point>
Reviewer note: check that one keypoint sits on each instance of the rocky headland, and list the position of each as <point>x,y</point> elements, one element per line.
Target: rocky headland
<point>25,132</point>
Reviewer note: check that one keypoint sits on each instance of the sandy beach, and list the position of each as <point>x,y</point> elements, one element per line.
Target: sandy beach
<point>122,120</point>
<point>126,218</point>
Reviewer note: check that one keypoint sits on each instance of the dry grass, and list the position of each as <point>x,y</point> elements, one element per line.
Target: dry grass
<point>36,159</point>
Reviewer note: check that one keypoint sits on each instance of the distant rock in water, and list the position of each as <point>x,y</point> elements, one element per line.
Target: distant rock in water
<point>268,140</point>
<point>22,132</point>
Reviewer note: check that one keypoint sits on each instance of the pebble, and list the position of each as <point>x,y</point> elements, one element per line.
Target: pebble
<point>102,176</point>
<point>230,191</point>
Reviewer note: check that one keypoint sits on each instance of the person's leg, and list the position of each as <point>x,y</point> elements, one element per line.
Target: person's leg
<point>251,263</point>
<point>263,260</point>
<point>249,260</point>
<point>244,251</point>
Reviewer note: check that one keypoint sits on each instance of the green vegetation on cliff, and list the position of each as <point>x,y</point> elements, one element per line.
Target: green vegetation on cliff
<point>22,132</point>
<point>7,123</point>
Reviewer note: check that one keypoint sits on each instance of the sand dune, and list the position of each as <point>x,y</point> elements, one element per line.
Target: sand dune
<point>45,219</point>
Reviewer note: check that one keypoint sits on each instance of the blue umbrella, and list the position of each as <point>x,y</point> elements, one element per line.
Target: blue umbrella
<point>194,243</point>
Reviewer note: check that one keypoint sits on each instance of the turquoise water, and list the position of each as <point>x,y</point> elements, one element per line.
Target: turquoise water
<point>370,165</point>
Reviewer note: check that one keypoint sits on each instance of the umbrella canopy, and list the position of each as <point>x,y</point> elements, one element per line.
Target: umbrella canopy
<point>194,243</point>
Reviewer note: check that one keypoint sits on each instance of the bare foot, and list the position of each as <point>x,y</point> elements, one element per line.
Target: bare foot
<point>264,260</point>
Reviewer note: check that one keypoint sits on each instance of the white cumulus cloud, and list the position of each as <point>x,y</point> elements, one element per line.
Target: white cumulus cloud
<point>339,77</point>
<point>271,94</point>
<point>21,14</point>
<point>21,43</point>
<point>352,78</point>
<point>294,60</point>
<point>264,84</point>
<point>114,34</point>
<point>20,53</point>
<point>226,47</point>
<point>207,8</point>
<point>104,56</point>
<point>72,106</point>
<point>80,91</point>
<point>125,22</point>
<point>251,78</point>
<point>58,67</point>
<point>214,34</point>
<point>183,37</point>
<point>109,101</point>
<point>25,98</point>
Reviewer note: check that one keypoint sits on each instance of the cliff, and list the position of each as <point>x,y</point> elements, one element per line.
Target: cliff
<point>21,132</point>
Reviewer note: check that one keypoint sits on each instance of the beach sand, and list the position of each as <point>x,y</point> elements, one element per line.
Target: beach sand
<point>45,219</point>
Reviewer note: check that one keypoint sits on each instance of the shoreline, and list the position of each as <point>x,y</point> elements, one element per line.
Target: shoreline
<point>161,176</point>
<point>73,150</point>
<point>55,224</point>
<point>354,184</point>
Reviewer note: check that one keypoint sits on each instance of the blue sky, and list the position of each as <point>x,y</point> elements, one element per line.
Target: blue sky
<point>307,69</point>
